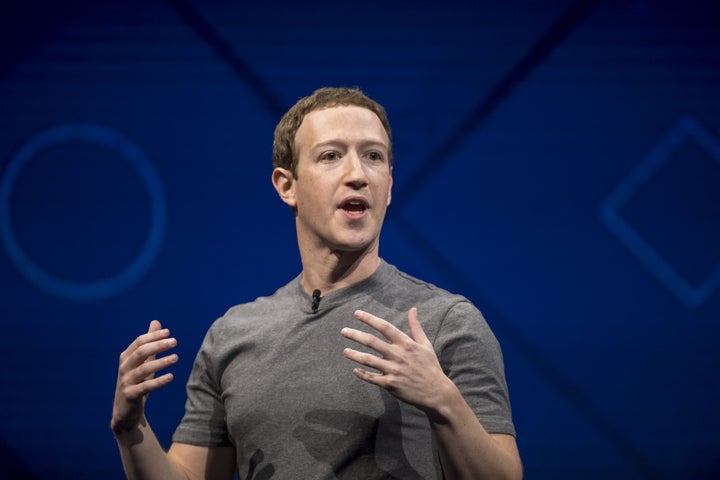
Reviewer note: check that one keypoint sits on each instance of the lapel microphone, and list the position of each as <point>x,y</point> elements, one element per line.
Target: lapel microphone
<point>316,300</point>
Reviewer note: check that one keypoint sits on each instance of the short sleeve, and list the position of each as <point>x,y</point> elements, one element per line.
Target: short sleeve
<point>204,422</point>
<point>471,357</point>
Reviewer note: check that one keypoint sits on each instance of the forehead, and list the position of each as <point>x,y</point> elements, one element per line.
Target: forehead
<point>346,123</point>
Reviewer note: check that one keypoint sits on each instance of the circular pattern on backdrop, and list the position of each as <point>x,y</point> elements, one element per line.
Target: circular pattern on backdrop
<point>127,150</point>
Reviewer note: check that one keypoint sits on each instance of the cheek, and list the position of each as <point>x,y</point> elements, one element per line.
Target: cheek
<point>310,195</point>
<point>383,190</point>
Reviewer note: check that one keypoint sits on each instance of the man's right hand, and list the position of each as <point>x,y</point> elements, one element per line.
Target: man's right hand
<point>136,376</point>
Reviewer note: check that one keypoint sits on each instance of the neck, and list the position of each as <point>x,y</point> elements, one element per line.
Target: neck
<point>328,271</point>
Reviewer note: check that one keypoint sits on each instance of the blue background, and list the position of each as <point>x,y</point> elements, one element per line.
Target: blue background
<point>557,162</point>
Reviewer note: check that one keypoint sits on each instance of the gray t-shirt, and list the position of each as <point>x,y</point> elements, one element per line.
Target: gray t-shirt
<point>270,379</point>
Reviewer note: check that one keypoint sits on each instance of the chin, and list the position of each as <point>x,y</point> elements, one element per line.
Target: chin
<point>356,244</point>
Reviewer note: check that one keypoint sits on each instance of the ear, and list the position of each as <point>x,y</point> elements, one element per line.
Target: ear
<point>284,182</point>
<point>390,188</point>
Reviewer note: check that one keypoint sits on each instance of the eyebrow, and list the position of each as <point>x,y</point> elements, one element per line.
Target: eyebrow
<point>361,144</point>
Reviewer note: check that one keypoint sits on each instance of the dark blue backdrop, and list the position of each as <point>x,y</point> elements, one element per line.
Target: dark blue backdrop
<point>556,162</point>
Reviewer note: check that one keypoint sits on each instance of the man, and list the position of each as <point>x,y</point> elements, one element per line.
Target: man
<point>270,394</point>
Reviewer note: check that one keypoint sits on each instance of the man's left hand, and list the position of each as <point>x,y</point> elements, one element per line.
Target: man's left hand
<point>406,366</point>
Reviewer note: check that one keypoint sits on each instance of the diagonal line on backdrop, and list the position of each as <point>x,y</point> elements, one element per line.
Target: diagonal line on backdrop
<point>224,49</point>
<point>425,172</point>
<point>535,357</point>
<point>517,73</point>
<point>12,467</point>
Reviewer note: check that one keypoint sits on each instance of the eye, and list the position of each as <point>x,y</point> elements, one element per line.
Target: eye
<point>375,156</point>
<point>331,155</point>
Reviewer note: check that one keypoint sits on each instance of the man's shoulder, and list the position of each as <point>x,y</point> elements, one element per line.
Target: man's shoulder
<point>410,283</point>
<point>412,291</point>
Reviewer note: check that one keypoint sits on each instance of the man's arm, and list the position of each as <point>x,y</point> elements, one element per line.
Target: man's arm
<point>466,449</point>
<point>141,453</point>
<point>409,369</point>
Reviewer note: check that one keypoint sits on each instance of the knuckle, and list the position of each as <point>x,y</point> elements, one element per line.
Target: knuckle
<point>406,345</point>
<point>125,355</point>
<point>122,373</point>
<point>142,350</point>
<point>391,382</point>
<point>127,392</point>
<point>148,369</point>
<point>146,350</point>
<point>384,329</point>
<point>143,371</point>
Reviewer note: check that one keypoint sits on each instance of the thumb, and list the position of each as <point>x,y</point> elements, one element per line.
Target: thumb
<point>154,326</point>
<point>416,331</point>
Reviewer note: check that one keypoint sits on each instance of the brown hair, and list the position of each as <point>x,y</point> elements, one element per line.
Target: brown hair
<point>284,141</point>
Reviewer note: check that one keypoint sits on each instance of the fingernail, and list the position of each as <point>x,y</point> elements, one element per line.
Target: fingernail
<point>172,342</point>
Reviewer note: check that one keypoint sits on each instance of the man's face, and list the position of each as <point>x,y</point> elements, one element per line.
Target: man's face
<point>343,182</point>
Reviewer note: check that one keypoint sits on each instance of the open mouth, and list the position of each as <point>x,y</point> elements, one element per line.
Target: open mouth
<point>354,206</point>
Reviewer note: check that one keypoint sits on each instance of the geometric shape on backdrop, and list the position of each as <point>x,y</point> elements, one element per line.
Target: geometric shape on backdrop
<point>127,150</point>
<point>667,211</point>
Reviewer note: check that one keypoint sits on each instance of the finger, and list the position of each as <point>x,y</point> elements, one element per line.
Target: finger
<point>416,331</point>
<point>367,359</point>
<point>137,391</point>
<point>148,369</point>
<point>370,377</point>
<point>388,330</point>
<point>146,352</point>
<point>366,339</point>
<point>145,338</point>
<point>155,326</point>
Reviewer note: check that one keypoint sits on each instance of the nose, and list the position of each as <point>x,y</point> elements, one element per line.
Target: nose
<point>355,174</point>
